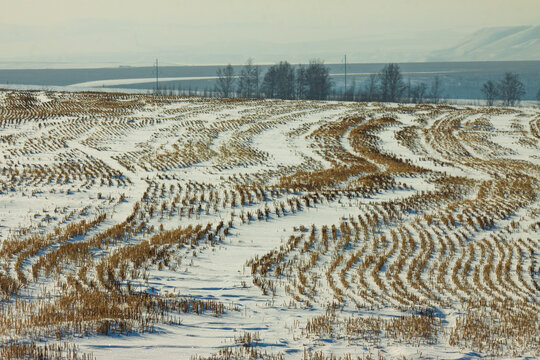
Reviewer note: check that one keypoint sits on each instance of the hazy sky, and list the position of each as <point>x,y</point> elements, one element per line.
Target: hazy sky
<point>119,30</point>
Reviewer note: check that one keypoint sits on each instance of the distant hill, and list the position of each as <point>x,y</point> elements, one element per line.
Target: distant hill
<point>497,44</point>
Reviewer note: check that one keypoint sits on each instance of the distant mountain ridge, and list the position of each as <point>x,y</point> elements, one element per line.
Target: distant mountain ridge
<point>497,44</point>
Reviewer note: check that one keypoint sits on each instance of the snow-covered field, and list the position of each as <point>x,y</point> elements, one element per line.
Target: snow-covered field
<point>136,227</point>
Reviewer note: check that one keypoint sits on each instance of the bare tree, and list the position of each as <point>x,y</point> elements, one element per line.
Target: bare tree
<point>418,93</point>
<point>511,89</point>
<point>435,93</point>
<point>318,80</point>
<point>490,91</point>
<point>225,81</point>
<point>392,85</point>
<point>279,81</point>
<point>301,82</point>
<point>248,81</point>
<point>352,93</point>
<point>371,88</point>
<point>313,81</point>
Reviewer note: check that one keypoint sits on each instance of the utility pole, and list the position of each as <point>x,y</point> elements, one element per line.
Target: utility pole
<point>157,76</point>
<point>345,75</point>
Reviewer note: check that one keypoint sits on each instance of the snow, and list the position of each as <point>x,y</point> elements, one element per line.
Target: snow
<point>114,82</point>
<point>495,43</point>
<point>274,139</point>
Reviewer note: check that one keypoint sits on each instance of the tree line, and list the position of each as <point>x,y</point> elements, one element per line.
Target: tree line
<point>312,82</point>
<point>281,81</point>
<point>509,90</point>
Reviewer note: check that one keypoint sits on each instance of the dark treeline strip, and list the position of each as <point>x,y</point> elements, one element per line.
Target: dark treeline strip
<point>313,82</point>
<point>509,90</point>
